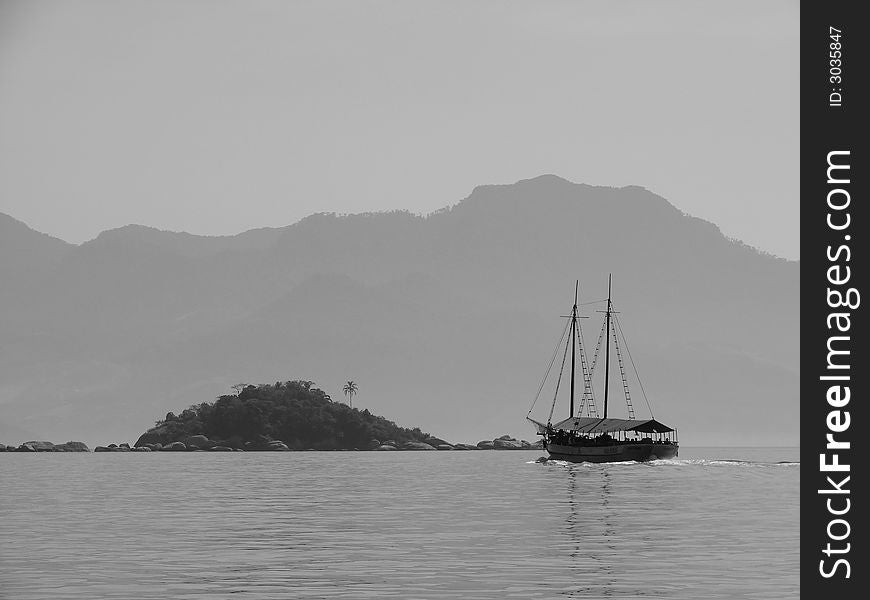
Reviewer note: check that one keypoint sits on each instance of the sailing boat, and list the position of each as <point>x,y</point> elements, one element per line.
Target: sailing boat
<point>594,438</point>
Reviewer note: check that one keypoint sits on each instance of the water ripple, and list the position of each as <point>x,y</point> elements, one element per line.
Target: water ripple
<point>394,525</point>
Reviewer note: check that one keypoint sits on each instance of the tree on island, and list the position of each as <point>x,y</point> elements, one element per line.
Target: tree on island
<point>350,388</point>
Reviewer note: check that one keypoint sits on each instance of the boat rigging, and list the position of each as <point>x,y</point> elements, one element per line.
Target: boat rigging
<point>584,435</point>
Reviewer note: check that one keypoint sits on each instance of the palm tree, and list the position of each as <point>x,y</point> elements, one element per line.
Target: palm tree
<point>350,389</point>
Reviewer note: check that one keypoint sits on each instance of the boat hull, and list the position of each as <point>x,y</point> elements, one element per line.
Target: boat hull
<point>614,453</point>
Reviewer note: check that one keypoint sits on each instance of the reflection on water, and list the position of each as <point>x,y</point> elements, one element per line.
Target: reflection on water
<point>400,525</point>
<point>589,565</point>
<point>682,528</point>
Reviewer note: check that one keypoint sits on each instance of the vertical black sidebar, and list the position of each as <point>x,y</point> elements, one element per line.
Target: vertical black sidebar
<point>835,374</point>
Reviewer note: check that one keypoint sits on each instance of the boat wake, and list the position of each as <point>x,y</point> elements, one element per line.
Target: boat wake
<point>564,463</point>
<point>669,462</point>
<point>722,462</point>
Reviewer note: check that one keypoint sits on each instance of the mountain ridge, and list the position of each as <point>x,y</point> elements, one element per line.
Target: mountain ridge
<point>444,319</point>
<point>116,234</point>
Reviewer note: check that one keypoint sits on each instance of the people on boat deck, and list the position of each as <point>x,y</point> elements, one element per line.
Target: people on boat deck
<point>573,438</point>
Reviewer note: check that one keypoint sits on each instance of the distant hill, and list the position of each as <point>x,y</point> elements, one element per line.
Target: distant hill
<point>446,321</point>
<point>23,250</point>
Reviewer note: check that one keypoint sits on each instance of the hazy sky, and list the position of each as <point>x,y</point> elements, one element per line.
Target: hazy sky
<point>215,116</point>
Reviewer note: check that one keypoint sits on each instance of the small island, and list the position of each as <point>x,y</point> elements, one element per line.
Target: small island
<point>284,416</point>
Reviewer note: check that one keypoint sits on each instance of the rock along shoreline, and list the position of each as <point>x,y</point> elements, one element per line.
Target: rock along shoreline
<point>200,443</point>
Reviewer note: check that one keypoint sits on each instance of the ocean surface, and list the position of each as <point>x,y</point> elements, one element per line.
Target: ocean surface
<point>713,523</point>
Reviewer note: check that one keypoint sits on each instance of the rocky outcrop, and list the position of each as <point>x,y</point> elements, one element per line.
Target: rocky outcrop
<point>504,442</point>
<point>72,447</point>
<point>174,447</point>
<point>120,448</point>
<point>165,433</point>
<point>200,442</point>
<point>113,448</point>
<point>510,444</point>
<point>41,446</point>
<point>417,446</point>
<point>435,442</point>
<point>197,443</point>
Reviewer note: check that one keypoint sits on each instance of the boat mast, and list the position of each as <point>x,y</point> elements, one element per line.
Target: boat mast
<point>606,348</point>
<point>573,344</point>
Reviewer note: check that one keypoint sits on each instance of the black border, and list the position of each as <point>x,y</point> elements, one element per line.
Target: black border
<point>824,129</point>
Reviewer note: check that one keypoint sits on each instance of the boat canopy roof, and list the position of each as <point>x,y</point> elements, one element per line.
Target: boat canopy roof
<point>595,425</point>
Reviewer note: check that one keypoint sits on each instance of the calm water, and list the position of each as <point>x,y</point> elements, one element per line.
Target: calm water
<point>398,525</point>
